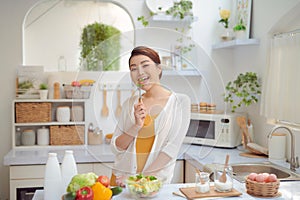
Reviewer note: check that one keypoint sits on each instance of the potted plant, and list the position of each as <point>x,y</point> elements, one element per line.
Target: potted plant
<point>240,30</point>
<point>100,47</point>
<point>180,9</point>
<point>43,90</point>
<point>244,90</point>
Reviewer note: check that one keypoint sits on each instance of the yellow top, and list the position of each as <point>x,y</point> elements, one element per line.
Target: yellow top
<point>144,142</point>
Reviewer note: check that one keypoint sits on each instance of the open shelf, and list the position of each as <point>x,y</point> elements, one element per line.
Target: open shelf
<point>235,43</point>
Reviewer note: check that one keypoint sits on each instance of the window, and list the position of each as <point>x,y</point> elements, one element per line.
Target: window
<point>52,31</point>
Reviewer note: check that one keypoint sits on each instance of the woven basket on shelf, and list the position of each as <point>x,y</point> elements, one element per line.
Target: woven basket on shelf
<point>66,135</point>
<point>262,189</point>
<point>27,112</point>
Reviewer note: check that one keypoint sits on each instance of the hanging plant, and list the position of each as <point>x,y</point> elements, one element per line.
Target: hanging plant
<point>244,90</point>
<point>100,47</point>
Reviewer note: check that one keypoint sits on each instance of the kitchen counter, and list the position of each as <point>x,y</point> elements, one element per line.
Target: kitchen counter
<point>199,155</point>
<point>102,153</point>
<point>288,190</point>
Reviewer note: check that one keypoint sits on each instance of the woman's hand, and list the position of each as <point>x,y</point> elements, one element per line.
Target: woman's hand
<point>140,113</point>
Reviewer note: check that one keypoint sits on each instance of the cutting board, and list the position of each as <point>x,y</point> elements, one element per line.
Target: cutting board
<point>190,193</point>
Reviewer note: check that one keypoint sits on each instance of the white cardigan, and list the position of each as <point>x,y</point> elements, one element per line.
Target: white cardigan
<point>171,126</point>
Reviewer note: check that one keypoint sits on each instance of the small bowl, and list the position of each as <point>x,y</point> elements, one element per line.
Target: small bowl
<point>143,187</point>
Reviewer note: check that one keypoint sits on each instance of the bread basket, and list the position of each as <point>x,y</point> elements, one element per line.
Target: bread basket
<point>262,189</point>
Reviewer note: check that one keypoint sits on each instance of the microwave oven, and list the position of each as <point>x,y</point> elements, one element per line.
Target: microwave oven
<point>214,129</point>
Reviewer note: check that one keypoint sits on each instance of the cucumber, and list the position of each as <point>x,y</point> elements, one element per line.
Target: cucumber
<point>116,190</point>
<point>69,196</point>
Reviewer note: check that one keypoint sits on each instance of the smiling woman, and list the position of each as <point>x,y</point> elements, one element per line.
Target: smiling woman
<point>52,30</point>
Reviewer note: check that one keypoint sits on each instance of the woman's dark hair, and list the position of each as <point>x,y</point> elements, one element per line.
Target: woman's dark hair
<point>146,51</point>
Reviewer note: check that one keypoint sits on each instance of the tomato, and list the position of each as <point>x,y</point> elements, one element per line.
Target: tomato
<point>75,83</point>
<point>104,180</point>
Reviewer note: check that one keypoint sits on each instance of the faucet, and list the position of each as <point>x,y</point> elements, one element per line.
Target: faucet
<point>294,163</point>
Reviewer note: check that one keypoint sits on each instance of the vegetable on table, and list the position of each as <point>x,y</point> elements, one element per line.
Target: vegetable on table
<point>104,180</point>
<point>116,190</point>
<point>85,193</point>
<point>101,192</point>
<point>81,180</point>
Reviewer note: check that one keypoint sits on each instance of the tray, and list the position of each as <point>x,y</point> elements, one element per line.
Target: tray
<point>191,193</point>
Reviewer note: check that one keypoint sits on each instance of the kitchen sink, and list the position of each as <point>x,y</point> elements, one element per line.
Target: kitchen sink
<point>240,171</point>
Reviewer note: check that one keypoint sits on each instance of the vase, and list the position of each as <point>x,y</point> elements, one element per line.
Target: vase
<point>227,34</point>
<point>43,94</point>
<point>241,35</point>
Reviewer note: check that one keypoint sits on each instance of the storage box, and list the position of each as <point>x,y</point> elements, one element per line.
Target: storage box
<point>66,135</point>
<point>27,112</point>
<point>82,92</point>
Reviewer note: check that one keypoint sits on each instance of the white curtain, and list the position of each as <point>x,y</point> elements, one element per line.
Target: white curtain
<point>281,89</point>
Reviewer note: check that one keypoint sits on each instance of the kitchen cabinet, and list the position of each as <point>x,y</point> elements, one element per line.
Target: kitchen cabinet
<point>28,119</point>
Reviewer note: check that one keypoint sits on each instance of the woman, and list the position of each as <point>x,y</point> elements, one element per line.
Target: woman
<point>152,126</point>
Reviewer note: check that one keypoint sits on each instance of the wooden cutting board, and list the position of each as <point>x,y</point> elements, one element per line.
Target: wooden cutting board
<point>190,193</point>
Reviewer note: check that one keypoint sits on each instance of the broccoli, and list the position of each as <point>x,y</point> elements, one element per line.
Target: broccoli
<point>80,180</point>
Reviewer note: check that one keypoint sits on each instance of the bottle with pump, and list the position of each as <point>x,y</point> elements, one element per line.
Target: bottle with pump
<point>68,168</point>
<point>53,188</point>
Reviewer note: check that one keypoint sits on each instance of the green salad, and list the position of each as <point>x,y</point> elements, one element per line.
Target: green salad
<point>143,186</point>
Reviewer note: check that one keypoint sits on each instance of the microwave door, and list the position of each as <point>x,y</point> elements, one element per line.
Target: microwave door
<point>204,129</point>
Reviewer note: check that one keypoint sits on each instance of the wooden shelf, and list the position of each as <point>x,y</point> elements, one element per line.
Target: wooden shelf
<point>236,43</point>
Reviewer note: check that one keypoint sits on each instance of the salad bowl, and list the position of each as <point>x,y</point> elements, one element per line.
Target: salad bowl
<point>141,186</point>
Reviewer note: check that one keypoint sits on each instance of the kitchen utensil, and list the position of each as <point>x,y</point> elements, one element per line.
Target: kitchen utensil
<point>223,176</point>
<point>104,111</point>
<point>119,106</point>
<point>199,172</point>
<point>242,123</point>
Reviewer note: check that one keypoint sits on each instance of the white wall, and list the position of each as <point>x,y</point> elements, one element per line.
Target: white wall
<point>230,62</point>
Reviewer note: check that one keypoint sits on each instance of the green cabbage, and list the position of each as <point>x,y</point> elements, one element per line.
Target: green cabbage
<point>80,180</point>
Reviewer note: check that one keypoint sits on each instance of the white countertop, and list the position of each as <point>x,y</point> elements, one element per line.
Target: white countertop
<point>200,154</point>
<point>285,192</point>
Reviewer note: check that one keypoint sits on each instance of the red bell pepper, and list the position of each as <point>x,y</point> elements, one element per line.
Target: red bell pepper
<point>85,193</point>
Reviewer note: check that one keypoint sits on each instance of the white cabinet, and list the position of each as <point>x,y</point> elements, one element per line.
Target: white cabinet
<point>35,114</point>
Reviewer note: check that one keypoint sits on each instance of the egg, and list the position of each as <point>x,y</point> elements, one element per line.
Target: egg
<point>271,178</point>
<point>252,176</point>
<point>265,175</point>
<point>260,178</point>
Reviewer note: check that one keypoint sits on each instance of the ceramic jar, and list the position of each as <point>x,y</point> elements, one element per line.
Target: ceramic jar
<point>43,136</point>
<point>77,113</point>
<point>63,114</point>
<point>28,137</point>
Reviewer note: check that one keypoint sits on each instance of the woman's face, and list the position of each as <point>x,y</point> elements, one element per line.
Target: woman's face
<point>144,72</point>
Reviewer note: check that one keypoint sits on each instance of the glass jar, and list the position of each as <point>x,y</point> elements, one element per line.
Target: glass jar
<point>226,184</point>
<point>202,182</point>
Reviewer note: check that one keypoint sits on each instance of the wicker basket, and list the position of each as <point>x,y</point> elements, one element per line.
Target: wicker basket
<point>27,112</point>
<point>262,189</point>
<point>66,135</point>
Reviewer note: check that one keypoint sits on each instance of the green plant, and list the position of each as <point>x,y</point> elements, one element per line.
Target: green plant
<point>240,26</point>
<point>179,9</point>
<point>43,86</point>
<point>245,89</point>
<point>100,47</point>
<point>182,8</point>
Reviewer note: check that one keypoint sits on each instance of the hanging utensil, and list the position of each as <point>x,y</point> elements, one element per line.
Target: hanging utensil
<point>104,111</point>
<point>119,106</point>
<point>223,177</point>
